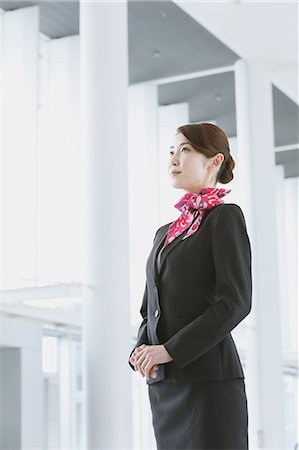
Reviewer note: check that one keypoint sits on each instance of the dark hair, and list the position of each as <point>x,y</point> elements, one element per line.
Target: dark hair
<point>209,140</point>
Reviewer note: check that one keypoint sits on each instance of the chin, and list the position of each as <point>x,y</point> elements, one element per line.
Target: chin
<point>176,185</point>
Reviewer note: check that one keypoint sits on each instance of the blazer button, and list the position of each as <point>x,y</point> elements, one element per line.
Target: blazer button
<point>156,313</point>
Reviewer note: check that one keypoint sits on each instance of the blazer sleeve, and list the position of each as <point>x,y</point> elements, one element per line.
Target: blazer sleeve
<point>231,253</point>
<point>142,331</point>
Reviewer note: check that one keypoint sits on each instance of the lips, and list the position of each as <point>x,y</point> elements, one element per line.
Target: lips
<point>174,173</point>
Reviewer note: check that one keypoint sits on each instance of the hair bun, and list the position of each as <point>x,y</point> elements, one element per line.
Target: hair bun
<point>226,172</point>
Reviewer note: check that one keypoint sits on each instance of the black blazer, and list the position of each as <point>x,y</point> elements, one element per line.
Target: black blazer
<point>201,292</point>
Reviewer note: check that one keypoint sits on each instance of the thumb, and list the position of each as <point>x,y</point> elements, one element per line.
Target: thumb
<point>153,371</point>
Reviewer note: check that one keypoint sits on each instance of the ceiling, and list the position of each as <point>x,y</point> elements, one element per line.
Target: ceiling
<point>259,31</point>
<point>165,41</point>
<point>209,98</point>
<point>57,19</point>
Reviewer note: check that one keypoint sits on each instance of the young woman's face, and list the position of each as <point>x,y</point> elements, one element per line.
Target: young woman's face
<point>196,171</point>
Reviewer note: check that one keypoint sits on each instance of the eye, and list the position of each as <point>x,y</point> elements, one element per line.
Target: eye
<point>183,148</point>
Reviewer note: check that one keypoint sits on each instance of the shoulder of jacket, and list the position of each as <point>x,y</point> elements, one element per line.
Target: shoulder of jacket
<point>227,208</point>
<point>232,208</point>
<point>230,211</point>
<point>162,227</point>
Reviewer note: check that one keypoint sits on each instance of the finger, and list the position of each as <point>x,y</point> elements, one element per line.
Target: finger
<point>132,361</point>
<point>142,360</point>
<point>138,351</point>
<point>140,347</point>
<point>147,365</point>
<point>138,363</point>
<point>139,358</point>
<point>140,371</point>
<point>153,371</point>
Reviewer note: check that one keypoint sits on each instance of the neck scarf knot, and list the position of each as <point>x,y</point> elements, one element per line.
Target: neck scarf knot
<point>190,203</point>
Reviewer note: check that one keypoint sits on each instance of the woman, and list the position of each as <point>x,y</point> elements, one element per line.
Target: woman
<point>198,288</point>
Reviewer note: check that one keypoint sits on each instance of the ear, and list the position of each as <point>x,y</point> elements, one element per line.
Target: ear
<point>215,161</point>
<point>219,158</point>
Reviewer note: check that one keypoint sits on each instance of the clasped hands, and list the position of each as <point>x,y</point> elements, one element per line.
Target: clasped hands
<point>146,358</point>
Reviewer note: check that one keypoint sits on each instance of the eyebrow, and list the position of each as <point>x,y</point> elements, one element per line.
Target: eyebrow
<point>183,143</point>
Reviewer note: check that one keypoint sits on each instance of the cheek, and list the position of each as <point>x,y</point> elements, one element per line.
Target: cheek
<point>193,168</point>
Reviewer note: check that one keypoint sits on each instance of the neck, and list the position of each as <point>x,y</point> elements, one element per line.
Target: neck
<point>197,190</point>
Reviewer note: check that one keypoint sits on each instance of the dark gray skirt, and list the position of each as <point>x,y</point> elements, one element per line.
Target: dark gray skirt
<point>210,415</point>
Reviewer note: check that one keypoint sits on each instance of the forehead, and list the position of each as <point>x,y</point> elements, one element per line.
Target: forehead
<point>178,139</point>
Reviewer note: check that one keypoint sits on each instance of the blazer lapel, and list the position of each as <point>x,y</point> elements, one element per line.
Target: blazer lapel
<point>169,249</point>
<point>157,267</point>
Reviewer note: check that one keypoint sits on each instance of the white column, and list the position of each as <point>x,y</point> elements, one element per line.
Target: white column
<point>245,175</point>
<point>65,392</point>
<point>290,199</point>
<point>59,203</point>
<point>143,183</point>
<point>283,227</point>
<point>170,118</point>
<point>10,395</point>
<point>18,145</point>
<point>264,366</point>
<point>106,328</point>
<point>32,397</point>
<point>143,196</point>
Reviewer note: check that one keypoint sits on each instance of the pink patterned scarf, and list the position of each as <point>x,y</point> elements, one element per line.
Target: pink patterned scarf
<point>188,204</point>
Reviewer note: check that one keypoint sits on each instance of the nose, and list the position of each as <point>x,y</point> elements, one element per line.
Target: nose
<point>173,159</point>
